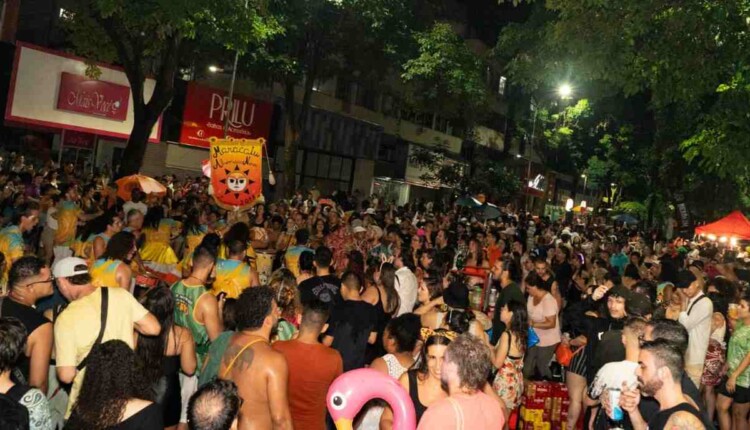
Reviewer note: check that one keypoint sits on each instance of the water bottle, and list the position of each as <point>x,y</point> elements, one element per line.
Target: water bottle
<point>617,414</point>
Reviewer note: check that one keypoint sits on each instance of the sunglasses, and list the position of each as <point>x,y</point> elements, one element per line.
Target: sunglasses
<point>50,279</point>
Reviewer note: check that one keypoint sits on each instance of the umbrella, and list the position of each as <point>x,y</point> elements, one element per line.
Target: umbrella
<point>206,167</point>
<point>146,184</point>
<point>490,211</point>
<point>625,219</point>
<point>468,201</point>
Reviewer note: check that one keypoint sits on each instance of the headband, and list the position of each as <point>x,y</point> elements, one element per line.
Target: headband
<point>428,332</point>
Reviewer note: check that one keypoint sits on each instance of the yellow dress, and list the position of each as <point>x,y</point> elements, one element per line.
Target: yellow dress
<point>104,273</point>
<point>232,276</point>
<point>157,248</point>
<point>12,248</point>
<point>85,249</point>
<point>251,255</point>
<point>67,223</point>
<point>192,240</point>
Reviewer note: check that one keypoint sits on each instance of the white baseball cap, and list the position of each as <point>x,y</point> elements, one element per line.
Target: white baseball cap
<point>359,229</point>
<point>70,266</point>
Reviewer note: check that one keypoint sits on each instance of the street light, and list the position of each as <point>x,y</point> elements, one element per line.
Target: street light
<point>565,91</point>
<point>215,69</point>
<point>585,181</point>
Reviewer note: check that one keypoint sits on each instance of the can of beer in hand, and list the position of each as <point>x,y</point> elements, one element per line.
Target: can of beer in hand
<point>614,401</point>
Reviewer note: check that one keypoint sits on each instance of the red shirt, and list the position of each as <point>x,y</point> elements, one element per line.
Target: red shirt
<point>493,254</point>
<point>312,369</point>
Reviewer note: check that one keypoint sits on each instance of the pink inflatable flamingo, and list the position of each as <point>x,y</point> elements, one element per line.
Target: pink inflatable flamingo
<point>350,391</point>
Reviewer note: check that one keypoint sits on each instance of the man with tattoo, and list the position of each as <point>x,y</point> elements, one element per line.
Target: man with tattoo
<point>659,372</point>
<point>260,373</point>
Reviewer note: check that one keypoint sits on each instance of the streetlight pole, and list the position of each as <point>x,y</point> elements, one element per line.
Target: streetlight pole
<point>230,103</point>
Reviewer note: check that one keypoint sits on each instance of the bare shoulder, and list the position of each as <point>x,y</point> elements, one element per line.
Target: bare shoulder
<point>134,406</point>
<point>682,420</point>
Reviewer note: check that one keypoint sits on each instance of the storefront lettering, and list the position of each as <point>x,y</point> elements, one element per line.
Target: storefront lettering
<point>240,116</point>
<point>94,102</point>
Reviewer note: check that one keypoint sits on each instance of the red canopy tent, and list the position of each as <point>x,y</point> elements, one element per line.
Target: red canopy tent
<point>733,225</point>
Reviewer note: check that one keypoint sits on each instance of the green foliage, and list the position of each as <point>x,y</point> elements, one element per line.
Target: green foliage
<point>637,209</point>
<point>154,38</point>
<point>446,76</point>
<point>144,27</point>
<point>688,61</point>
<point>488,176</point>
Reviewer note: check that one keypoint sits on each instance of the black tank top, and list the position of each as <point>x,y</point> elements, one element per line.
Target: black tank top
<point>419,408</point>
<point>659,421</point>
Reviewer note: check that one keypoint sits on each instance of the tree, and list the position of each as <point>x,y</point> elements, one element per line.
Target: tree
<point>321,39</point>
<point>687,60</point>
<point>489,176</point>
<point>154,38</point>
<point>446,77</point>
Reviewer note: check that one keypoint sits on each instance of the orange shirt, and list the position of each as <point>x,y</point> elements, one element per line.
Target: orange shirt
<point>493,254</point>
<point>312,369</point>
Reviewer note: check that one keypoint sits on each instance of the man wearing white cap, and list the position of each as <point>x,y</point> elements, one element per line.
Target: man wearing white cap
<point>94,316</point>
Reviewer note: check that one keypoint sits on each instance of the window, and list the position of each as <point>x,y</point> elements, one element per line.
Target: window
<point>386,152</point>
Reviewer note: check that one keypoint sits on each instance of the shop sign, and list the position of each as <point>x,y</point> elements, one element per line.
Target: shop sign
<point>205,111</point>
<point>93,97</point>
<point>76,139</point>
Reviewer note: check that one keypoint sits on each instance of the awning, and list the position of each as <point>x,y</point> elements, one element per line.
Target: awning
<point>734,225</point>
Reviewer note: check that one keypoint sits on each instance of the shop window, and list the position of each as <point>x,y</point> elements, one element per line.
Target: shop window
<point>324,162</point>
<point>346,169</point>
<point>386,152</point>
<point>335,169</point>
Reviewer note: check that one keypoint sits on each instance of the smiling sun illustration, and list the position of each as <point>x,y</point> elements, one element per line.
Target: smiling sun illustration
<point>236,172</point>
<point>237,184</point>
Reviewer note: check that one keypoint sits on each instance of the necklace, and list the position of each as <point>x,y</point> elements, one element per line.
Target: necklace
<point>197,279</point>
<point>255,335</point>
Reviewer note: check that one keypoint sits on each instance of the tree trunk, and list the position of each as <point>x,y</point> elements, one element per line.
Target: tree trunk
<point>291,136</point>
<point>132,157</point>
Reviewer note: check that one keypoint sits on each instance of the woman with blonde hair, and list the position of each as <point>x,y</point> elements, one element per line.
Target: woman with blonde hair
<point>284,284</point>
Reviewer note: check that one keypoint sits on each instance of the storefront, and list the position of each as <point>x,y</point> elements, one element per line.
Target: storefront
<point>70,117</point>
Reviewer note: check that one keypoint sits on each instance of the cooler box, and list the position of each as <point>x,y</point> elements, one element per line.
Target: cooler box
<point>545,407</point>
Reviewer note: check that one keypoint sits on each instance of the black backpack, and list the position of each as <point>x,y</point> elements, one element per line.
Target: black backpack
<point>13,415</point>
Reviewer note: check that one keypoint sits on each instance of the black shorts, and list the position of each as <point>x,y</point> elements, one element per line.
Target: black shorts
<point>740,395</point>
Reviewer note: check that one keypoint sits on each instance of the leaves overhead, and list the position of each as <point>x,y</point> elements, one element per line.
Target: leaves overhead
<point>446,75</point>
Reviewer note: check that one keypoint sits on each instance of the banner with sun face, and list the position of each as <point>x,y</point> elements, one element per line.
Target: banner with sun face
<point>236,172</point>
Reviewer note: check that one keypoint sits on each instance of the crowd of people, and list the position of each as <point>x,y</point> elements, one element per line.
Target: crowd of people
<point>165,311</point>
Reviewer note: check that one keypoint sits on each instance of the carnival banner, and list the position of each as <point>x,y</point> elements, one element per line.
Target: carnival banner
<point>236,172</point>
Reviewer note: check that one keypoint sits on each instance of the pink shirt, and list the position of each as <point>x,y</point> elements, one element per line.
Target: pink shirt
<point>537,313</point>
<point>463,412</point>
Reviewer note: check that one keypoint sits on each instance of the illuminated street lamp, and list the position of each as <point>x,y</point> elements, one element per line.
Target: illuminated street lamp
<point>565,91</point>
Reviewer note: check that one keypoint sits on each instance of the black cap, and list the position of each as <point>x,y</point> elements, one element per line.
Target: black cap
<point>456,296</point>
<point>638,305</point>
<point>685,278</point>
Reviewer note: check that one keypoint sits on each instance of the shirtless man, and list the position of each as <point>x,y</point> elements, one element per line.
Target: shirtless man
<point>249,361</point>
<point>661,366</point>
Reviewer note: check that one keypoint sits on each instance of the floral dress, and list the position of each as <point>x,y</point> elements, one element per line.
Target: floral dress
<point>715,359</point>
<point>508,382</point>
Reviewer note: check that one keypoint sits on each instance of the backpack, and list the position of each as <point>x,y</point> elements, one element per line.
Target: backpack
<point>13,415</point>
